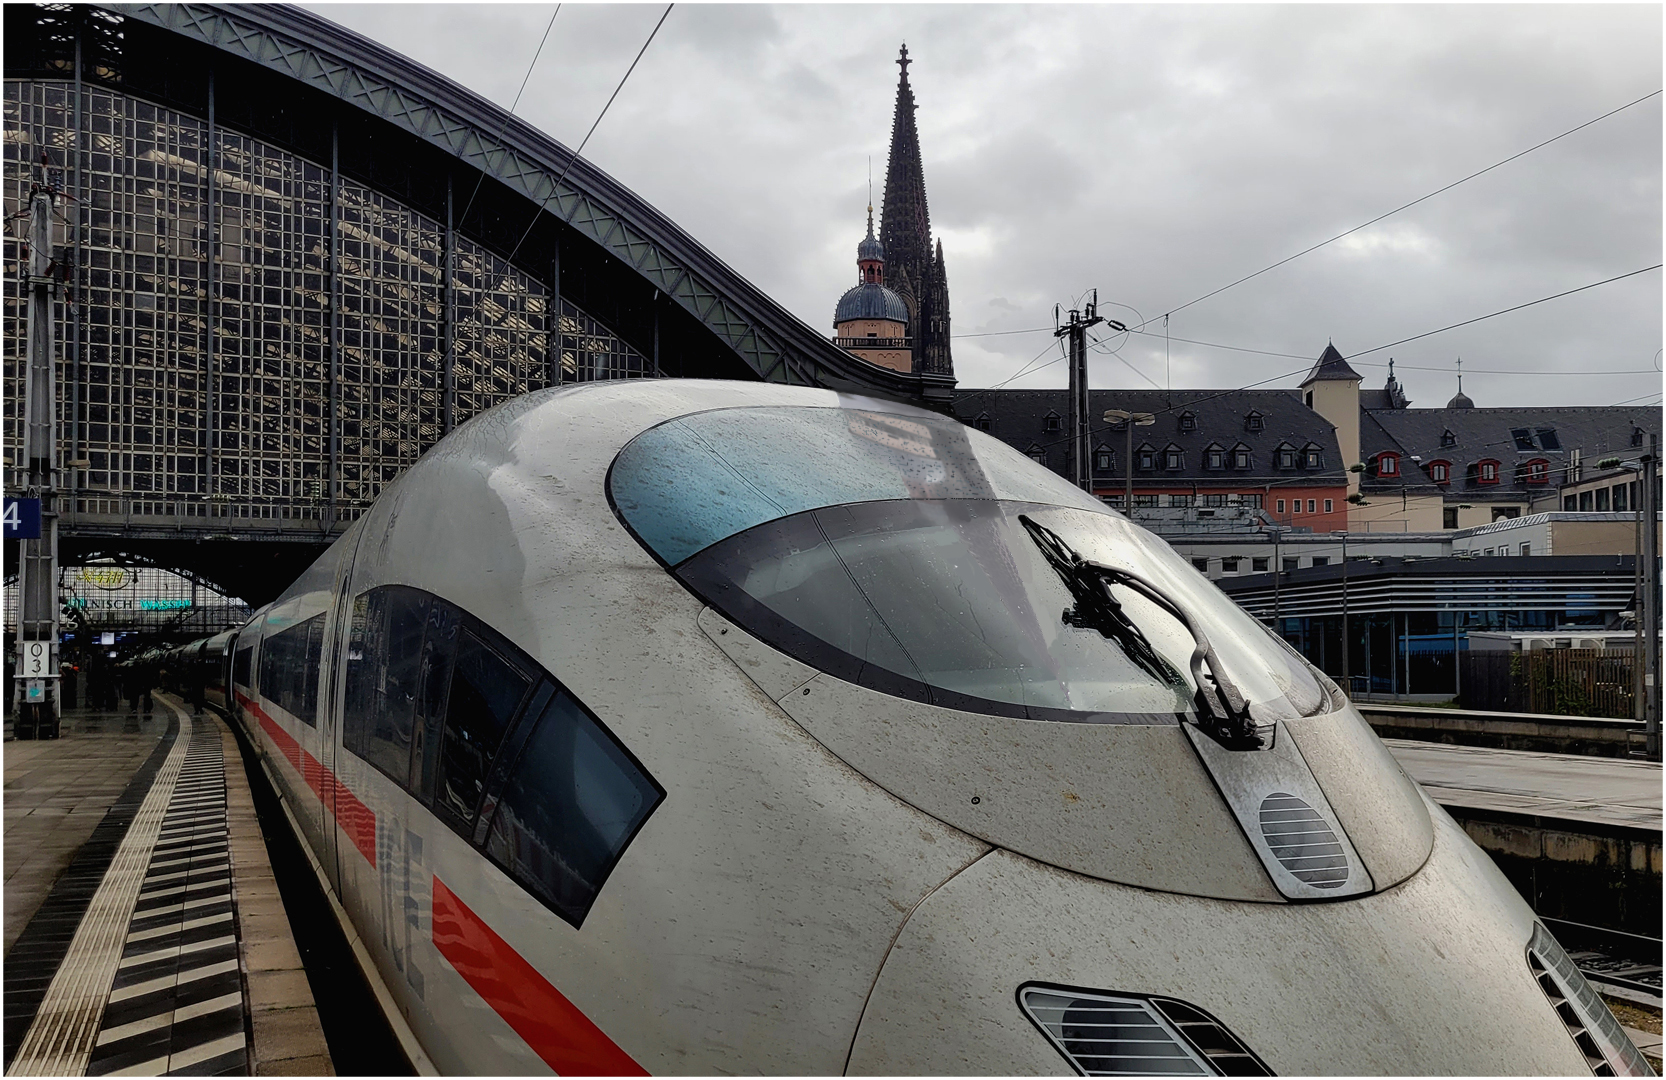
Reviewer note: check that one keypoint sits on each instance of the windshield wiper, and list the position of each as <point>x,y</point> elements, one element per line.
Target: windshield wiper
<point>1223,711</point>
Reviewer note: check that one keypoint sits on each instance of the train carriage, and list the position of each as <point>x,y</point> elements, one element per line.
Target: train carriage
<point>702,727</point>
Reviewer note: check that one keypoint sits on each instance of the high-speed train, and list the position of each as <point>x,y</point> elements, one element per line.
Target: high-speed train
<point>708,727</point>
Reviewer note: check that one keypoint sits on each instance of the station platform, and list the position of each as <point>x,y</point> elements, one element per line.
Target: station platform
<point>144,933</point>
<point>1600,791</point>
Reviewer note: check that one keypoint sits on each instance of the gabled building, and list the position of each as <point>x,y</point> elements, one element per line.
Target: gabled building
<point>1262,449</point>
<point>1462,465</point>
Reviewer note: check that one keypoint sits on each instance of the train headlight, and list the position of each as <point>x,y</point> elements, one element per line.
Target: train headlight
<point>1115,1034</point>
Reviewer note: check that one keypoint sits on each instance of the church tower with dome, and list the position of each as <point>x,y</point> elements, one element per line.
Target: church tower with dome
<point>871,321</point>
<point>903,264</point>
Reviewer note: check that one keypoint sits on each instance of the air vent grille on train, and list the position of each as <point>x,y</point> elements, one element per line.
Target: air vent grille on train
<point>1113,1035</point>
<point>1302,842</point>
<point>1607,1050</point>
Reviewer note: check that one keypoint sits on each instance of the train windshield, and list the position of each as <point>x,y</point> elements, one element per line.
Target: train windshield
<point>943,585</point>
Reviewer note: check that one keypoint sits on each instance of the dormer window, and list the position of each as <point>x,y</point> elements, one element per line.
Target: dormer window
<point>1636,436</point>
<point>1146,458</point>
<point>1214,457</point>
<point>1388,464</point>
<point>1286,457</point>
<point>1240,457</point>
<point>1173,458</point>
<point>1440,472</point>
<point>1486,472</point>
<point>1188,421</point>
<point>982,422</point>
<point>1037,454</point>
<point>1448,439</point>
<point>1051,421</point>
<point>1311,458</point>
<point>1536,471</point>
<point>1104,460</point>
<point>1252,421</point>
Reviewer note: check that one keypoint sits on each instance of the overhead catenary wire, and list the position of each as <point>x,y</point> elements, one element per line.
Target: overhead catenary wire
<point>555,188</point>
<point>1506,311</point>
<point>1415,337</point>
<point>1005,333</point>
<point>1429,333</point>
<point>1412,203</point>
<point>481,179</point>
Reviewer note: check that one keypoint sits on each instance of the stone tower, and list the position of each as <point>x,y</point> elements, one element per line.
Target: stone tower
<point>914,266</point>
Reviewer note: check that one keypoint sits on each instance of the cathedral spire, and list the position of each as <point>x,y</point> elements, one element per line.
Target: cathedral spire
<point>905,231</point>
<point>905,223</point>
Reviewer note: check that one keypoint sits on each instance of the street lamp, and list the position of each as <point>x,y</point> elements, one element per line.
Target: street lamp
<point>1638,689</point>
<point>1347,682</point>
<point>1129,420</point>
<point>1277,532</point>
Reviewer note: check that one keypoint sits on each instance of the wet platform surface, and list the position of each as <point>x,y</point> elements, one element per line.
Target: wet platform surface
<point>1564,787</point>
<point>144,934</point>
<point>56,793</point>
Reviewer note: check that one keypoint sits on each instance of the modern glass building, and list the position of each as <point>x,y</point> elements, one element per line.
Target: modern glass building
<point>1410,618</point>
<point>294,260</point>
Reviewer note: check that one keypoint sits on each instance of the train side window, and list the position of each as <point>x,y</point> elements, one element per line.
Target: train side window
<point>242,665</point>
<point>289,663</point>
<point>569,808</point>
<point>312,663</point>
<point>486,691</point>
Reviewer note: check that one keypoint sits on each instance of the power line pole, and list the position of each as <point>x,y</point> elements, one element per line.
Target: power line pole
<point>1081,451</point>
<point>35,699</point>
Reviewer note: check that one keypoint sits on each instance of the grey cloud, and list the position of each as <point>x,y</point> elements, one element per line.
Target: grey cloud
<point>1156,152</point>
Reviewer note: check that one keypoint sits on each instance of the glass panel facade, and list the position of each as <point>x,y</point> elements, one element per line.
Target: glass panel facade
<point>206,308</point>
<point>392,339</point>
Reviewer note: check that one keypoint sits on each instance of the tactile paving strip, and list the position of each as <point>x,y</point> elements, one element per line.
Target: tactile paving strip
<point>40,949</point>
<point>177,1006</point>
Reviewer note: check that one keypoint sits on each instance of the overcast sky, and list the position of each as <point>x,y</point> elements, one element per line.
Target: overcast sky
<point>1155,153</point>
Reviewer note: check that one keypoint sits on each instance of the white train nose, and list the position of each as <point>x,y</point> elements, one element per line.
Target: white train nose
<point>1430,977</point>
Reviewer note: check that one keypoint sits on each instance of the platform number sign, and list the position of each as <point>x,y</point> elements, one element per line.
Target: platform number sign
<point>34,660</point>
<point>22,519</point>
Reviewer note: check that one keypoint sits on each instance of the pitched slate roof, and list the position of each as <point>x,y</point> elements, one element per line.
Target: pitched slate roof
<point>1220,418</point>
<point>1374,439</point>
<point>1330,365</point>
<point>1482,434</point>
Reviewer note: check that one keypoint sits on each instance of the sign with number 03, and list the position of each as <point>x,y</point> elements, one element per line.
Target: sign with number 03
<point>35,660</point>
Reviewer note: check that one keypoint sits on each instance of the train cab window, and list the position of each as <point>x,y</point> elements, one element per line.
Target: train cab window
<point>931,563</point>
<point>571,805</point>
<point>289,663</point>
<point>486,691</point>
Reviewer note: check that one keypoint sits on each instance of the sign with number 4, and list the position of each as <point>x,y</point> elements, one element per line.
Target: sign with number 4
<point>22,519</point>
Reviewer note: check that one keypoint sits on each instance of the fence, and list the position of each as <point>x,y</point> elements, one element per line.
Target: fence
<point>1566,682</point>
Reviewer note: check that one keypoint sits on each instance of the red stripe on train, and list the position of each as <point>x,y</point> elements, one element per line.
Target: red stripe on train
<point>356,819</point>
<point>553,1026</point>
